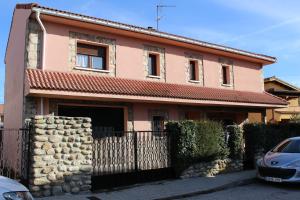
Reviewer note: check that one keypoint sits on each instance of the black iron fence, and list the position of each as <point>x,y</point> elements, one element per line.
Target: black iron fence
<point>133,151</point>
<point>14,152</point>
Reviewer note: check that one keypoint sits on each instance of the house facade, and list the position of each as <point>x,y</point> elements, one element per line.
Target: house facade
<point>1,115</point>
<point>125,77</point>
<point>285,91</point>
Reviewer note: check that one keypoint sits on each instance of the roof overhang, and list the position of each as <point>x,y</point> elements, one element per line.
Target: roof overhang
<point>286,84</point>
<point>140,99</point>
<point>72,85</point>
<point>289,93</point>
<point>88,22</point>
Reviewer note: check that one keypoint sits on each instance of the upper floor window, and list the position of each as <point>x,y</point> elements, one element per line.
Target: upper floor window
<point>153,64</point>
<point>225,75</point>
<point>194,70</point>
<point>91,56</point>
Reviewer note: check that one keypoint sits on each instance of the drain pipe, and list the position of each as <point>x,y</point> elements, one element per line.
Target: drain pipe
<point>42,106</point>
<point>37,16</point>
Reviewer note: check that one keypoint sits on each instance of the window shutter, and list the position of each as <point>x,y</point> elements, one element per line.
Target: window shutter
<point>87,49</point>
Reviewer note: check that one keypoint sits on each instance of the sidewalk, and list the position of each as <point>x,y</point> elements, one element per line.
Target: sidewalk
<point>170,189</point>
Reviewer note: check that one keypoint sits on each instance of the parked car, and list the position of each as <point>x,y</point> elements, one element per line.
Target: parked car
<point>282,163</point>
<point>12,190</point>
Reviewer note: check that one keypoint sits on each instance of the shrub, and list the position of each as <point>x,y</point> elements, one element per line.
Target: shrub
<point>235,142</point>
<point>196,141</point>
<point>210,141</point>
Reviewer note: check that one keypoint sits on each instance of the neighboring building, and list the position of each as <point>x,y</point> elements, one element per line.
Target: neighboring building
<point>125,77</point>
<point>285,91</point>
<point>1,115</point>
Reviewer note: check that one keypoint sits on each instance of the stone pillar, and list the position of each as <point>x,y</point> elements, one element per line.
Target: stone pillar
<point>61,155</point>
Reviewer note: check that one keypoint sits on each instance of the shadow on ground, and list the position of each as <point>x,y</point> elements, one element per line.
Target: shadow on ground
<point>285,186</point>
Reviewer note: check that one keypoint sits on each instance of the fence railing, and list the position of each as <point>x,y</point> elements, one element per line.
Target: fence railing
<point>124,152</point>
<point>14,150</point>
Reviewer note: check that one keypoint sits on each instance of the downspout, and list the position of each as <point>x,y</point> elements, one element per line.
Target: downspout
<point>37,16</point>
<point>42,106</point>
<point>42,54</point>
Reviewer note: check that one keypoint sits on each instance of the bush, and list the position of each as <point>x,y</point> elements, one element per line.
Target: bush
<point>196,141</point>
<point>235,142</point>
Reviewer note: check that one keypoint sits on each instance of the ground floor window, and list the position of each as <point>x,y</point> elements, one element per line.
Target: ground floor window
<point>158,123</point>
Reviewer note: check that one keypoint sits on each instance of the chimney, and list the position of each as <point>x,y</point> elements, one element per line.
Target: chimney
<point>150,28</point>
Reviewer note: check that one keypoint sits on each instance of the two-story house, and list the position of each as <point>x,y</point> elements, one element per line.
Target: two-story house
<point>125,77</point>
<point>285,91</point>
<point>1,115</point>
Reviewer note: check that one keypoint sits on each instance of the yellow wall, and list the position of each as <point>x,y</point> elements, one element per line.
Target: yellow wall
<point>254,117</point>
<point>280,114</point>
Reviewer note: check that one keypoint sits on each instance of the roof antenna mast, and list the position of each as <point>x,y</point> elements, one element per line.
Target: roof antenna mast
<point>159,10</point>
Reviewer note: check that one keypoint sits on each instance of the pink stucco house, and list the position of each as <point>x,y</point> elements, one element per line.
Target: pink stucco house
<point>125,77</point>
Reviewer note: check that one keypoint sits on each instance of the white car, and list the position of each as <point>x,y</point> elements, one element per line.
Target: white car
<point>12,190</point>
<point>282,163</point>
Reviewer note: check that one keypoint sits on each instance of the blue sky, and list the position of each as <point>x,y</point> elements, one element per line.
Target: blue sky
<point>270,27</point>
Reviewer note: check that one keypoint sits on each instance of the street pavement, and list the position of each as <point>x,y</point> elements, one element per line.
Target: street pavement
<point>255,191</point>
<point>234,186</point>
<point>168,189</point>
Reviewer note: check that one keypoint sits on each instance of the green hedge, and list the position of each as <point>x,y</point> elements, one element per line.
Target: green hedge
<point>266,136</point>
<point>235,142</point>
<point>197,141</point>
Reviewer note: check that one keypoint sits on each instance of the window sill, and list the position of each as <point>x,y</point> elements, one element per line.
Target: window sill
<point>90,69</point>
<point>153,76</point>
<point>226,85</point>
<point>194,81</point>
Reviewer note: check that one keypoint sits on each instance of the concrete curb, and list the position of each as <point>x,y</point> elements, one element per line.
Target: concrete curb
<point>219,188</point>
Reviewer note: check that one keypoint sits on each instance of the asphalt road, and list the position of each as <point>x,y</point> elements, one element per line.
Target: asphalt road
<point>255,191</point>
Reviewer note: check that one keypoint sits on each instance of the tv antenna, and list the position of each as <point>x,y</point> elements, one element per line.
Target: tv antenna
<point>159,10</point>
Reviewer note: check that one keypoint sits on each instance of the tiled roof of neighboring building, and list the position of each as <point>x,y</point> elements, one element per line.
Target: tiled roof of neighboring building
<point>275,79</point>
<point>152,32</point>
<point>85,83</point>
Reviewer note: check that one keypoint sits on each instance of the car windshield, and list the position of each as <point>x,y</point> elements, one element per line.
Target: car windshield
<point>289,146</point>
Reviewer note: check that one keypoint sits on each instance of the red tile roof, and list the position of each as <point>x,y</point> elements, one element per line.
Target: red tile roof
<point>75,82</point>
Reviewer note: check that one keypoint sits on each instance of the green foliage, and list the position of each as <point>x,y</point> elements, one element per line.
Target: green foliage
<point>235,142</point>
<point>197,141</point>
<point>266,136</point>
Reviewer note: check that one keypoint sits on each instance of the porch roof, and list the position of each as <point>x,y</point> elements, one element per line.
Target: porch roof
<point>87,84</point>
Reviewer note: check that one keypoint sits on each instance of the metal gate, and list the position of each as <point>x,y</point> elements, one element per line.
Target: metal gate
<point>121,158</point>
<point>14,152</point>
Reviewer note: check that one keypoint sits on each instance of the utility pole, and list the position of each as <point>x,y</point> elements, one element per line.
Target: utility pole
<point>158,10</point>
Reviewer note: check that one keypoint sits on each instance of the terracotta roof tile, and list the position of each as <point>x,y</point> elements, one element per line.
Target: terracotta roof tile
<point>75,82</point>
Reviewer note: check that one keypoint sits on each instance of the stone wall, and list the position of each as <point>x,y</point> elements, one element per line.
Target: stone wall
<point>33,44</point>
<point>61,155</point>
<point>29,107</point>
<point>213,168</point>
